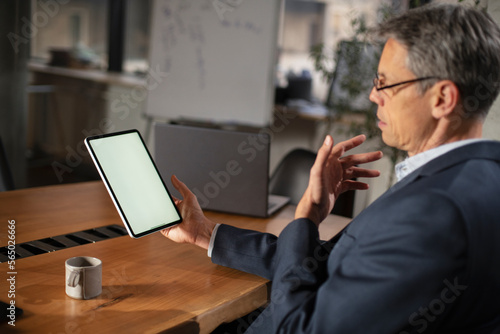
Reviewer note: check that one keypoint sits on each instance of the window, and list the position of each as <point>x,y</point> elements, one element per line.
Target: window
<point>137,26</point>
<point>62,27</point>
<point>309,23</point>
<point>80,28</point>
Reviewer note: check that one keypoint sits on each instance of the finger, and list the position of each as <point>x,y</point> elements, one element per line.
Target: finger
<point>164,232</point>
<point>362,158</point>
<point>188,196</point>
<point>352,143</point>
<point>180,186</point>
<point>336,151</point>
<point>316,174</point>
<point>353,185</point>
<point>176,200</point>
<point>355,172</point>
<point>324,152</point>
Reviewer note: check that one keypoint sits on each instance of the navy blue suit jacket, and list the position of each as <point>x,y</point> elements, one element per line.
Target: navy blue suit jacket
<point>423,258</point>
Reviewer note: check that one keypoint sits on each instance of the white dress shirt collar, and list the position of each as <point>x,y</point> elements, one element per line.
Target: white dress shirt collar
<point>411,164</point>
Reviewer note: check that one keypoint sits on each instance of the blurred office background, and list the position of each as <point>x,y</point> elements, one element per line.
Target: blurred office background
<point>65,62</point>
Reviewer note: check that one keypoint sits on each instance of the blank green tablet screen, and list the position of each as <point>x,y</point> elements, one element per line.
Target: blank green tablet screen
<point>134,183</point>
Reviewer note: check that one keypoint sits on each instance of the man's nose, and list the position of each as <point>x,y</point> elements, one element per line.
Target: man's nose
<point>375,97</point>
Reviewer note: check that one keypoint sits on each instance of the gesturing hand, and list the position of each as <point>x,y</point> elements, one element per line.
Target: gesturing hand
<point>331,175</point>
<point>195,227</point>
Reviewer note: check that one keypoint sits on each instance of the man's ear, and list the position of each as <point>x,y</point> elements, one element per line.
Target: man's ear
<point>445,98</point>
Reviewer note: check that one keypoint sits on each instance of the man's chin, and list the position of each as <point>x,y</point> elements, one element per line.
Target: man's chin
<point>387,140</point>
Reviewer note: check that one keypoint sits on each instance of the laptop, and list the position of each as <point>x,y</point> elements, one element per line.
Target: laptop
<point>228,171</point>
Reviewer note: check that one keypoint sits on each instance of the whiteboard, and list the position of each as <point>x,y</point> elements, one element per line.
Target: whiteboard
<point>216,58</point>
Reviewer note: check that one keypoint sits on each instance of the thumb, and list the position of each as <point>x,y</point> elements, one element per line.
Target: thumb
<point>324,151</point>
<point>180,186</point>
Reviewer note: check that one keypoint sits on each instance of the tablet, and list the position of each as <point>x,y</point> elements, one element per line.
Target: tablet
<point>133,182</point>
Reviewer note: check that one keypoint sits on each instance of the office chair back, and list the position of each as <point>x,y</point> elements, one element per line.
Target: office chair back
<point>291,177</point>
<point>6,181</point>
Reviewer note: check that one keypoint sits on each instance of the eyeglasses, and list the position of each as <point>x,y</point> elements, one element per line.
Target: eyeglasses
<point>378,88</point>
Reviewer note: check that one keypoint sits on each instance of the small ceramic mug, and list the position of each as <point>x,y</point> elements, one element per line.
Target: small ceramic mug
<point>83,277</point>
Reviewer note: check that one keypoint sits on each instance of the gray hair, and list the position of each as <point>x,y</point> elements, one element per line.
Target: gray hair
<point>452,42</point>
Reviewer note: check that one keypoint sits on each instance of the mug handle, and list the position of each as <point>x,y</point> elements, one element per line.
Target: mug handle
<point>74,278</point>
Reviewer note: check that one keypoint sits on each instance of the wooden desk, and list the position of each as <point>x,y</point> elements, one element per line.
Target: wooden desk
<point>150,285</point>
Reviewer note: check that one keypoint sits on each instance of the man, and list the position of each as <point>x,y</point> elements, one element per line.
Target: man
<point>423,258</point>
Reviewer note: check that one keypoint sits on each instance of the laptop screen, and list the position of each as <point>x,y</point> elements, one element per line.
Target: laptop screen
<point>227,170</point>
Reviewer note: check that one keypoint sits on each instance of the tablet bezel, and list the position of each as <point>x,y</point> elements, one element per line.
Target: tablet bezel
<point>109,188</point>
